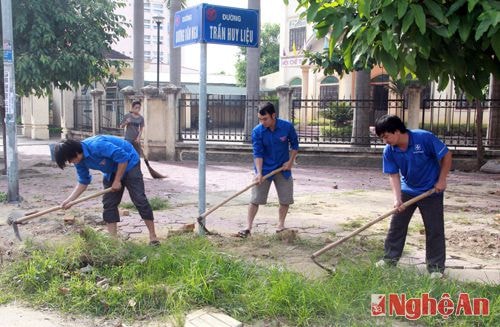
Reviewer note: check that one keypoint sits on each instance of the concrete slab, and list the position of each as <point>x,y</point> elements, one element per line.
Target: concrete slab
<point>207,318</point>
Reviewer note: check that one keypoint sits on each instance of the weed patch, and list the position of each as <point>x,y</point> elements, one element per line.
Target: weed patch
<point>156,203</point>
<point>131,281</point>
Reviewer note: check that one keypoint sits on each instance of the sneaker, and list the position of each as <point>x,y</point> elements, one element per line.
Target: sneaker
<point>381,264</point>
<point>436,275</point>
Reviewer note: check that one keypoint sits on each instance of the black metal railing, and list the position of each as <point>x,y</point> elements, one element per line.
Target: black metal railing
<point>82,114</point>
<point>454,121</point>
<point>340,121</point>
<point>229,118</point>
<point>111,112</point>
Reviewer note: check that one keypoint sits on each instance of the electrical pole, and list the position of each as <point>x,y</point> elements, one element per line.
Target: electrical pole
<point>138,45</point>
<point>10,102</point>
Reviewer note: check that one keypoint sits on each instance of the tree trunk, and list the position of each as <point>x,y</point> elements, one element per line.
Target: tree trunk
<point>493,134</point>
<point>361,121</point>
<point>479,134</point>
<point>253,69</point>
<point>174,53</point>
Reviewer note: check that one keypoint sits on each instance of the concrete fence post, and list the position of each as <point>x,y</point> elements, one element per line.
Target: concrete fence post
<point>285,101</point>
<point>154,129</point>
<point>171,93</point>
<point>414,92</point>
<point>96,116</point>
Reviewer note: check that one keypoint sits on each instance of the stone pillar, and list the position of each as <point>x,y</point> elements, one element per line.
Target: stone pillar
<point>130,95</point>
<point>305,81</point>
<point>154,121</point>
<point>39,117</point>
<point>96,112</point>
<point>26,110</point>
<point>413,106</point>
<point>285,101</point>
<point>64,99</point>
<point>172,93</point>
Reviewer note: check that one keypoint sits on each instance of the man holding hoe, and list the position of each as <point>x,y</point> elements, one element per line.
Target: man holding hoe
<point>416,161</point>
<point>119,162</point>
<point>275,144</point>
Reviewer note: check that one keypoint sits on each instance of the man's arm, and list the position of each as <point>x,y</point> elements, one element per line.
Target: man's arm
<point>394,180</point>
<point>117,182</point>
<point>258,167</point>
<point>288,165</point>
<point>77,191</point>
<point>440,186</point>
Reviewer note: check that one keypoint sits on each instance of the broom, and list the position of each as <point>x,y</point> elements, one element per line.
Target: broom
<point>154,173</point>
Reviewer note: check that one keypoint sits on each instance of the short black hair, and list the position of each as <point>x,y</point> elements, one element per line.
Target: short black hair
<point>66,150</point>
<point>136,102</point>
<point>389,124</point>
<point>268,108</point>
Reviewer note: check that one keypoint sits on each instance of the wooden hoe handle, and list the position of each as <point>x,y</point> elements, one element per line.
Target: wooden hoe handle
<point>376,220</point>
<point>46,211</point>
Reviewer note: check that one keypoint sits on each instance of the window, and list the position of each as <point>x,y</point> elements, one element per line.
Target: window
<point>147,39</point>
<point>297,35</point>
<point>329,88</point>
<point>147,55</point>
<point>296,86</point>
<point>147,24</point>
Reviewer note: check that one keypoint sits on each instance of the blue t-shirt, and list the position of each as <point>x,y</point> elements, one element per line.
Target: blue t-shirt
<point>274,146</point>
<point>104,153</point>
<point>419,165</point>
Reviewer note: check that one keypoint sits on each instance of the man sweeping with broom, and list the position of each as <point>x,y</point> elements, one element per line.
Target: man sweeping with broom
<point>133,122</point>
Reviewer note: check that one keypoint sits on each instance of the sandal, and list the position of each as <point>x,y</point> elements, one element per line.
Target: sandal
<point>281,230</point>
<point>154,243</point>
<point>243,233</point>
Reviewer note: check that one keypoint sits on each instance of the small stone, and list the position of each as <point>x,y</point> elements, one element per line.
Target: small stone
<point>124,213</point>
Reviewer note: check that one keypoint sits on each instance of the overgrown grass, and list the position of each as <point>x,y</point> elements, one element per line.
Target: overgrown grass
<point>186,273</point>
<point>156,203</point>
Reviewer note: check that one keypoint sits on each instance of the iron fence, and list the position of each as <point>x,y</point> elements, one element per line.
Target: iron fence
<point>229,118</point>
<point>111,112</point>
<point>454,121</point>
<point>340,121</point>
<point>82,114</point>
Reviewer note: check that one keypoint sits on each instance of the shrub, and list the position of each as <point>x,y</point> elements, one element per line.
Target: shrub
<point>339,112</point>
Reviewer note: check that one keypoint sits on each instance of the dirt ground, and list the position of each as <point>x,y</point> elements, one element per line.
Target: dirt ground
<point>329,203</point>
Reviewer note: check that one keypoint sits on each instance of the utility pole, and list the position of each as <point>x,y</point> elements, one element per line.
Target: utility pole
<point>138,34</point>
<point>10,102</point>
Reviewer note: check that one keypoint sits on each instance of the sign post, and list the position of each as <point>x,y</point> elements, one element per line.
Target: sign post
<point>204,24</point>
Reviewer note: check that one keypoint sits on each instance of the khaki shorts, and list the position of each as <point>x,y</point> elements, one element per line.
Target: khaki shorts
<point>284,188</point>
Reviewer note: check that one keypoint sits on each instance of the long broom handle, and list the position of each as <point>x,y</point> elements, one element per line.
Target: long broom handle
<point>46,211</point>
<point>376,220</point>
<point>209,211</point>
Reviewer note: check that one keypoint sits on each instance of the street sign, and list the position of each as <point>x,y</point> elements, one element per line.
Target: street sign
<point>217,24</point>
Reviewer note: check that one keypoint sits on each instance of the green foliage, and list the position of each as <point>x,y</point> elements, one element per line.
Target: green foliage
<point>269,54</point>
<point>339,112</point>
<point>3,197</point>
<point>156,203</point>
<point>430,40</point>
<point>131,281</point>
<point>333,132</point>
<point>64,42</point>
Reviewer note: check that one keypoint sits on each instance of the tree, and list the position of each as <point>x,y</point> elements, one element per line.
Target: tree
<point>62,43</point>
<point>269,54</point>
<point>432,40</point>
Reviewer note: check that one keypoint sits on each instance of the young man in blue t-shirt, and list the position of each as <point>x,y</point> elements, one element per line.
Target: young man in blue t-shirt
<point>275,144</point>
<point>119,163</point>
<point>416,161</point>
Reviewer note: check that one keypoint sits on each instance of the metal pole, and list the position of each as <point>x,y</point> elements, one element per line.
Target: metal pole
<point>202,128</point>
<point>158,23</point>
<point>10,102</point>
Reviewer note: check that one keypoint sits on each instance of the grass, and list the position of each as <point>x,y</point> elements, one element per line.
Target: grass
<point>186,273</point>
<point>156,203</point>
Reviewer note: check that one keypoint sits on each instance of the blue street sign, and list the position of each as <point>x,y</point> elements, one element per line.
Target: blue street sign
<point>217,24</point>
<point>187,26</point>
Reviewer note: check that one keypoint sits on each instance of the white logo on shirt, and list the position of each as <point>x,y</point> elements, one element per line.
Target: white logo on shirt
<point>418,149</point>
